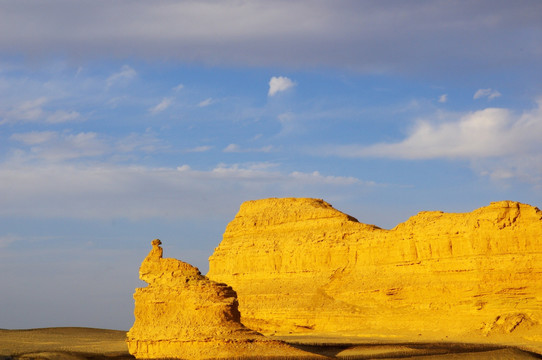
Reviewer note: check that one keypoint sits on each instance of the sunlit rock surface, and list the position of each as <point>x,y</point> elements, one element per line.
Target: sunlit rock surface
<point>183,314</point>
<point>300,266</point>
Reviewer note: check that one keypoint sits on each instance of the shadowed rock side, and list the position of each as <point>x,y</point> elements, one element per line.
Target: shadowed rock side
<point>299,265</point>
<point>183,314</point>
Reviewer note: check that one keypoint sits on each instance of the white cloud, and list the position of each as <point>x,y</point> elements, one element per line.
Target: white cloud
<point>126,73</point>
<point>163,105</point>
<point>206,102</point>
<point>443,98</point>
<point>56,147</point>
<point>105,191</point>
<point>476,134</point>
<point>30,110</point>
<point>489,93</point>
<point>197,149</point>
<point>262,172</point>
<point>134,142</point>
<point>61,116</point>
<point>527,168</point>
<point>278,84</point>
<point>34,137</point>
<point>265,149</point>
<point>234,148</point>
<point>496,141</point>
<point>33,111</point>
<point>114,102</point>
<point>316,177</point>
<point>178,87</point>
<point>231,148</point>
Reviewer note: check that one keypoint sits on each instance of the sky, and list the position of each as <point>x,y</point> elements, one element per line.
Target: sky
<point>125,121</point>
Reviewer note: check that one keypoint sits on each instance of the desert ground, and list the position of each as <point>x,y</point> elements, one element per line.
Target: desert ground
<point>68,343</point>
<point>93,344</point>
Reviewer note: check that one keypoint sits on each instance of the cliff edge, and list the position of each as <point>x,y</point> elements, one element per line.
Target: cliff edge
<point>300,266</point>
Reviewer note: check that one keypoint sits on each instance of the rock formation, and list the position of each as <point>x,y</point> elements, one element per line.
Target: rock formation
<point>299,265</point>
<point>182,314</point>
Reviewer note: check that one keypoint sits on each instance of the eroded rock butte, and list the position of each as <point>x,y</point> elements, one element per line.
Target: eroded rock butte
<point>300,266</point>
<point>182,314</point>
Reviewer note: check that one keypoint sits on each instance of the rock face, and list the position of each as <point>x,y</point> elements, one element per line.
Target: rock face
<point>299,265</point>
<point>183,314</point>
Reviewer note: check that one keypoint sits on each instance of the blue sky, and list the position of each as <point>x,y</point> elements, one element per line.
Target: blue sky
<point>125,121</point>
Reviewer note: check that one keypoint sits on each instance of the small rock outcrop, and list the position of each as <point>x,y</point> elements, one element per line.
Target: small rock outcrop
<point>301,266</point>
<point>182,314</point>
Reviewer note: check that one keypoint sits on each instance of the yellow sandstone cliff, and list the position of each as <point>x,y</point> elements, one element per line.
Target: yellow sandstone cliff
<point>300,266</point>
<point>182,314</point>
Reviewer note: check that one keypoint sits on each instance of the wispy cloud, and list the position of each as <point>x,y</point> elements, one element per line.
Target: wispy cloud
<point>68,146</point>
<point>116,101</point>
<point>265,172</point>
<point>30,110</point>
<point>61,116</point>
<point>443,98</point>
<point>206,102</point>
<point>34,137</point>
<point>488,93</point>
<point>198,149</point>
<point>288,123</point>
<point>234,148</point>
<point>134,142</point>
<point>279,84</point>
<point>316,177</point>
<point>163,105</point>
<point>33,111</point>
<point>125,74</point>
<point>107,191</point>
<point>59,146</point>
<point>178,87</point>
<point>55,146</point>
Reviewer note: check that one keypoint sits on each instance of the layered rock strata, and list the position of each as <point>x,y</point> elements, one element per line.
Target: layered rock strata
<point>182,314</point>
<point>299,265</point>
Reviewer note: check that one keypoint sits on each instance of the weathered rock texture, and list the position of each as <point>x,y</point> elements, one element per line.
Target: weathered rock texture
<point>183,314</point>
<point>299,265</point>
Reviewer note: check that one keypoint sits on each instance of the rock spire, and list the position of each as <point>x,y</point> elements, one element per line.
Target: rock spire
<point>182,314</point>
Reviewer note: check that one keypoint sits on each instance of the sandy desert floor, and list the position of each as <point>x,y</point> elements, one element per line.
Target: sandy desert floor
<point>98,344</point>
<point>63,344</point>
